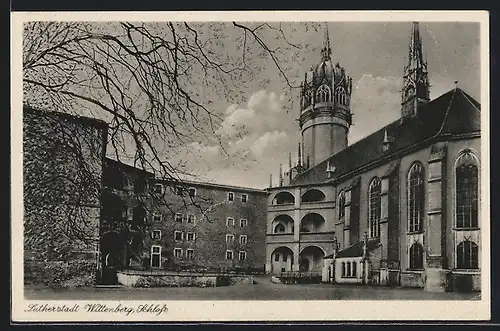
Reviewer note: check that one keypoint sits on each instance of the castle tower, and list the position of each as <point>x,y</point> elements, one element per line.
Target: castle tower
<point>325,115</point>
<point>415,90</point>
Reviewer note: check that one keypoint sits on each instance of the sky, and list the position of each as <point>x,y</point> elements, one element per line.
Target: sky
<point>259,123</point>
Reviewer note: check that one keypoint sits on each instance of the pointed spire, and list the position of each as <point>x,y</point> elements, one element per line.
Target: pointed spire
<point>416,50</point>
<point>326,51</point>
<point>281,175</point>
<point>299,156</point>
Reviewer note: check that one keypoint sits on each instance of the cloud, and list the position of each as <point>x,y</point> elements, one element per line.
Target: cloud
<point>254,138</point>
<point>376,101</point>
<point>269,142</point>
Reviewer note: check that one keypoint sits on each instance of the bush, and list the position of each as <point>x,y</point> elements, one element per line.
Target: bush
<point>59,274</point>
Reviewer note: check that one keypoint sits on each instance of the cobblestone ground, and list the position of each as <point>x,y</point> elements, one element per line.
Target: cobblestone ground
<point>263,290</point>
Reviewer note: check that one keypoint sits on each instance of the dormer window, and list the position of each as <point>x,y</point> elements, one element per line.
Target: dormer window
<point>330,169</point>
<point>388,140</point>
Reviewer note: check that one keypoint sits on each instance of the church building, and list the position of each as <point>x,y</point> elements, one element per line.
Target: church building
<point>399,207</point>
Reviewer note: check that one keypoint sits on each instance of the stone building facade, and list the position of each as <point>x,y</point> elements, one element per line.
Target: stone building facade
<point>125,215</point>
<point>400,206</point>
<point>198,225</point>
<point>63,157</point>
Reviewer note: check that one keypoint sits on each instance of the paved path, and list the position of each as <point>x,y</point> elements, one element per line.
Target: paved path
<point>263,290</point>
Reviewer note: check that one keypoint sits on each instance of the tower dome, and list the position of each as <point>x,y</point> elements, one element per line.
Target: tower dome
<point>324,72</point>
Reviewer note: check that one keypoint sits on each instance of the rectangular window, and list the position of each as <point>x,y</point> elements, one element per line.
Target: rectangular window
<point>243,239</point>
<point>178,218</point>
<point>139,185</point>
<point>191,219</point>
<point>158,189</point>
<point>243,223</point>
<point>276,257</point>
<point>192,192</point>
<point>230,196</point>
<point>177,253</point>
<point>178,190</point>
<point>157,218</point>
<point>178,235</point>
<point>244,198</point>
<point>285,257</point>
<point>229,255</point>
<point>229,238</point>
<point>156,234</point>
<point>155,256</point>
<point>230,221</point>
<point>190,236</point>
<point>242,256</point>
<point>190,254</point>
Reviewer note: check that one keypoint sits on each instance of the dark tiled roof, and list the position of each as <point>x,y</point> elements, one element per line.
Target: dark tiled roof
<point>66,116</point>
<point>356,250</point>
<point>126,167</point>
<point>454,112</point>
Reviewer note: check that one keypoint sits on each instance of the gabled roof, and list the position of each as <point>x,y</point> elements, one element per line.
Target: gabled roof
<point>356,250</point>
<point>453,113</point>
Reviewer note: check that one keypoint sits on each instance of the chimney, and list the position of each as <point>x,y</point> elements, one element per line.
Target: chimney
<point>270,180</point>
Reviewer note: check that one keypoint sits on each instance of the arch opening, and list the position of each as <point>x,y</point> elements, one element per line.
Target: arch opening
<point>112,250</point>
<point>312,222</point>
<point>282,260</point>
<point>313,195</point>
<point>283,198</point>
<point>311,259</point>
<point>283,224</point>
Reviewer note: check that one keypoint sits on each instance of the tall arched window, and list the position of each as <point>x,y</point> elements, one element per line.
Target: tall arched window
<point>343,269</point>
<point>348,266</point>
<point>466,170</point>
<point>374,205</point>
<point>467,255</point>
<point>341,205</point>
<point>354,271</point>
<point>340,96</point>
<point>415,197</point>
<point>323,94</point>
<point>416,256</point>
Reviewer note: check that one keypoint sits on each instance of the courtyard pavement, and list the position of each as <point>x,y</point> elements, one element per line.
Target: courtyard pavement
<point>263,290</point>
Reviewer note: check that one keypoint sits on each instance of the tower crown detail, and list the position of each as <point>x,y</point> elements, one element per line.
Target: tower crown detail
<point>325,101</point>
<point>326,82</point>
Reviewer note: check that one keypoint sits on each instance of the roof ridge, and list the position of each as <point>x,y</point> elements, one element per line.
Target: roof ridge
<point>468,99</point>
<point>357,243</point>
<point>447,112</point>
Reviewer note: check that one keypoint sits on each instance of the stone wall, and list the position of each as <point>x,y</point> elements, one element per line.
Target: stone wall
<point>464,282</point>
<point>62,169</point>
<point>412,279</point>
<point>137,279</point>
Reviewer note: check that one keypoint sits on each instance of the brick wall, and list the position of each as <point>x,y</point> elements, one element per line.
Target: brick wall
<point>210,208</point>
